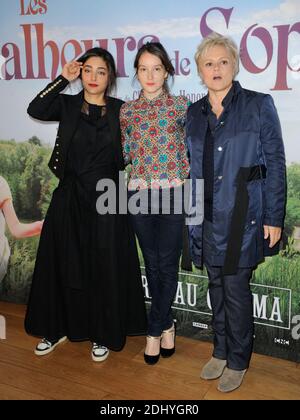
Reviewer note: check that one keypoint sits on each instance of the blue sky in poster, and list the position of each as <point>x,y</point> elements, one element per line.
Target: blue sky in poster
<point>177,24</point>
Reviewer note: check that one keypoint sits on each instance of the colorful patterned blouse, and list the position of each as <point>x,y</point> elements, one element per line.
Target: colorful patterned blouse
<point>153,139</point>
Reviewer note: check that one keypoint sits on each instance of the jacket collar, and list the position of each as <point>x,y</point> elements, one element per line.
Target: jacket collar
<point>234,91</point>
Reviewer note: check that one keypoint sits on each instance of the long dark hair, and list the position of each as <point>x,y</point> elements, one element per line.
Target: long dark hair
<point>157,49</point>
<point>109,61</point>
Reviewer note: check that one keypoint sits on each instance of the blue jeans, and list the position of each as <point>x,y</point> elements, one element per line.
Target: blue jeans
<point>160,238</point>
<point>231,301</point>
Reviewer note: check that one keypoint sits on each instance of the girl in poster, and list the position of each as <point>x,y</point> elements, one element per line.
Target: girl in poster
<point>17,229</point>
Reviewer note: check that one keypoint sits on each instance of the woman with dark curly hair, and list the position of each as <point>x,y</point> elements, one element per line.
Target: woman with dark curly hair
<point>87,282</point>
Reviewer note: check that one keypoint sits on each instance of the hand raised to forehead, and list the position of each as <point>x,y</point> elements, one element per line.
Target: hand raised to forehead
<point>71,71</point>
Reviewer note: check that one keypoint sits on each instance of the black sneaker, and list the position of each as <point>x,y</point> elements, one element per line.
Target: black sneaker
<point>99,353</point>
<point>45,346</point>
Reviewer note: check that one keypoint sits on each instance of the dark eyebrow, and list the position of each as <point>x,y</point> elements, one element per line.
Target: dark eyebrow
<point>156,65</point>
<point>98,68</point>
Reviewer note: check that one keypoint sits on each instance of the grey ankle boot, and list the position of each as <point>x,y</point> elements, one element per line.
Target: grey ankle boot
<point>231,380</point>
<point>213,369</point>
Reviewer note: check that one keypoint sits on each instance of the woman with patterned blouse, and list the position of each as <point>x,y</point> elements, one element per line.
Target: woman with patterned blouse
<point>153,143</point>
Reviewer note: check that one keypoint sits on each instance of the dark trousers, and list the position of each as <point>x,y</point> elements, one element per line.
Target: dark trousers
<point>160,238</point>
<point>232,323</point>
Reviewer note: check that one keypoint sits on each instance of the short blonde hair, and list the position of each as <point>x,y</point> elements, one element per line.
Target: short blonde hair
<point>214,39</point>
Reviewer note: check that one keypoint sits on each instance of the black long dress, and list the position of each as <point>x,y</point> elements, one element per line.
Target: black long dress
<point>87,282</point>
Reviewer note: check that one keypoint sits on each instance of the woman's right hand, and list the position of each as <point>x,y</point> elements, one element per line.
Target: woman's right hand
<point>71,71</point>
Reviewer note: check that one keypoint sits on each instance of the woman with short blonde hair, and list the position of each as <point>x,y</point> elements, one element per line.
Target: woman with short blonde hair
<point>213,40</point>
<point>235,144</point>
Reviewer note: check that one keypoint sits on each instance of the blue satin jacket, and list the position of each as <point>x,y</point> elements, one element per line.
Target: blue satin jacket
<point>247,134</point>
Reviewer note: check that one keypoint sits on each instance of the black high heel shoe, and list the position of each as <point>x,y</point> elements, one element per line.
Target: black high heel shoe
<point>152,360</point>
<point>168,352</point>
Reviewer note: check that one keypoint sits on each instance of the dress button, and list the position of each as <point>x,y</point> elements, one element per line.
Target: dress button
<point>220,149</point>
<point>222,123</point>
<point>56,160</point>
<point>253,222</point>
<point>55,167</point>
<point>220,177</point>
